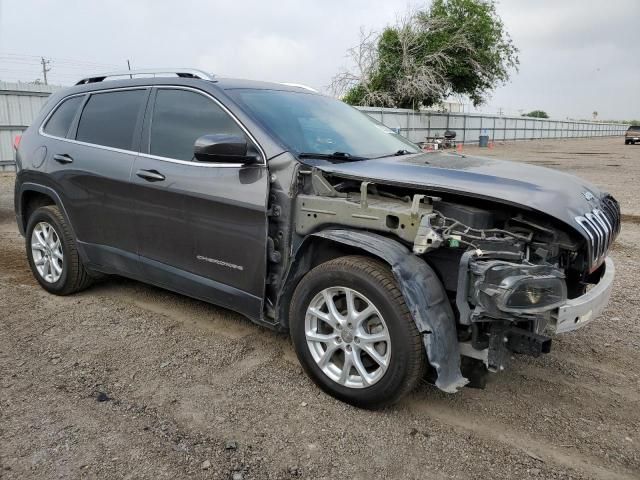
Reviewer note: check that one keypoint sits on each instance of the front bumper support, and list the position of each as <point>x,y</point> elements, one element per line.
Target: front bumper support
<point>578,312</point>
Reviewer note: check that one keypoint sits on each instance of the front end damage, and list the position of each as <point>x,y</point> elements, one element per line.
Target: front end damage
<point>511,276</point>
<point>509,307</point>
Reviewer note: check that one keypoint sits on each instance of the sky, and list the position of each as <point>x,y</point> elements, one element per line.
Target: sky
<point>576,56</point>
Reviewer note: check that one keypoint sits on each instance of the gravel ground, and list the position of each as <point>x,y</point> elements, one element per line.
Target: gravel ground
<point>130,381</point>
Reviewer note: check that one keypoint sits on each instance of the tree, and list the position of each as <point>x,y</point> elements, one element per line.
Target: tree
<point>454,47</point>
<point>536,114</point>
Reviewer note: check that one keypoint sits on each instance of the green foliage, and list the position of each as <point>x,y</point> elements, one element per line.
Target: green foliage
<point>536,114</point>
<point>355,95</point>
<point>491,46</point>
<point>454,47</point>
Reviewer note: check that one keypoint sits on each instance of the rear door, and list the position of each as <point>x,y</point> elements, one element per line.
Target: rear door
<point>92,168</point>
<point>201,227</point>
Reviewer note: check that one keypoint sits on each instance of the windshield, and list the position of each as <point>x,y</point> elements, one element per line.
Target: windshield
<point>314,124</point>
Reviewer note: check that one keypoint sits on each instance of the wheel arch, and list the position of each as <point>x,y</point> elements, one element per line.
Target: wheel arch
<point>423,292</point>
<point>34,195</point>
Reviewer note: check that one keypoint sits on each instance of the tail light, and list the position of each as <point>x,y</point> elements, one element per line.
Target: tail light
<point>16,142</point>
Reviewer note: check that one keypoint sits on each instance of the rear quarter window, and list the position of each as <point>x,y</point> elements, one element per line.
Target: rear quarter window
<point>110,118</point>
<point>59,123</point>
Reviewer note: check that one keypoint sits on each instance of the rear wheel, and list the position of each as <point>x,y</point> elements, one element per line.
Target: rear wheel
<point>353,333</point>
<point>52,253</point>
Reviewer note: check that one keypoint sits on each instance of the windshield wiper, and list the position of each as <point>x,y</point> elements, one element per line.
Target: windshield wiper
<point>398,153</point>
<point>331,156</point>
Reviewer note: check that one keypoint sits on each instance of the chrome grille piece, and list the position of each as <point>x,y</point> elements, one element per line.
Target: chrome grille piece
<point>602,226</point>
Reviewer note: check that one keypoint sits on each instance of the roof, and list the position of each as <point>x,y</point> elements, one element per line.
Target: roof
<point>177,76</point>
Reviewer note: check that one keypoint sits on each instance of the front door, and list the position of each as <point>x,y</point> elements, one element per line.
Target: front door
<point>201,227</point>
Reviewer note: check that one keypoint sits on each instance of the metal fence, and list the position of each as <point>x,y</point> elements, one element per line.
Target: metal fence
<point>21,102</point>
<point>418,126</point>
<point>19,105</point>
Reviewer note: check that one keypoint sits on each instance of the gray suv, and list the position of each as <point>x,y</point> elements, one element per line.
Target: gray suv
<point>385,264</point>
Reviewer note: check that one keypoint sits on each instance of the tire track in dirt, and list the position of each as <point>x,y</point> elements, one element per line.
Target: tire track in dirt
<point>521,421</point>
<point>494,431</point>
<point>260,345</point>
<point>600,388</point>
<point>189,313</point>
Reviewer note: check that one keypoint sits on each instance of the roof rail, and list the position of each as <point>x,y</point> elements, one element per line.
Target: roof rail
<point>299,85</point>
<point>159,72</point>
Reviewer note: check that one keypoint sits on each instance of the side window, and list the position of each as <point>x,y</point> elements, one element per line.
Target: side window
<point>59,123</point>
<point>180,117</point>
<point>110,118</point>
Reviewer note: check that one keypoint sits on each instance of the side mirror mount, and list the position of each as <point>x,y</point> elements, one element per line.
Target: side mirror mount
<point>224,148</point>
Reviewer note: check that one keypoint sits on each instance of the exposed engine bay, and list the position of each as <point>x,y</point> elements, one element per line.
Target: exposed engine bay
<point>505,269</point>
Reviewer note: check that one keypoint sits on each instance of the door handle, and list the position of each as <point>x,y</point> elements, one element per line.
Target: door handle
<point>63,158</point>
<point>150,175</point>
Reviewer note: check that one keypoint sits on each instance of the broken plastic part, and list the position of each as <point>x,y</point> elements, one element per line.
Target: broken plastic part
<point>425,296</point>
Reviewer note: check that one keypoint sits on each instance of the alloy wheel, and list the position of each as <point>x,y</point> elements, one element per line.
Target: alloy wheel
<point>347,337</point>
<point>46,250</point>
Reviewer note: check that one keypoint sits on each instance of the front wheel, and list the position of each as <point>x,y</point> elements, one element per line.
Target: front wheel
<point>353,332</point>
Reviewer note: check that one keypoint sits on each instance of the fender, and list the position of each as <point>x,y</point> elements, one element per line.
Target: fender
<point>37,187</point>
<point>423,293</point>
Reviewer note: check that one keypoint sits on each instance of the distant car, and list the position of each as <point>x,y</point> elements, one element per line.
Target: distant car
<point>307,216</point>
<point>632,136</point>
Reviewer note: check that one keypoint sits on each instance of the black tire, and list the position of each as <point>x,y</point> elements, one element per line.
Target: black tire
<point>74,277</point>
<point>373,279</point>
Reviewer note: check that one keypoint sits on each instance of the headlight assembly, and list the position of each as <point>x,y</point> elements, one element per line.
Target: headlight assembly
<point>539,293</point>
<point>501,286</point>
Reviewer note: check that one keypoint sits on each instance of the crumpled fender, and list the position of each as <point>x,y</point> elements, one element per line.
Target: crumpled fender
<point>425,296</point>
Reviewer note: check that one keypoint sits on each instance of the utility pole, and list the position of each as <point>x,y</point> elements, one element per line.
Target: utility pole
<point>45,68</point>
<point>129,67</point>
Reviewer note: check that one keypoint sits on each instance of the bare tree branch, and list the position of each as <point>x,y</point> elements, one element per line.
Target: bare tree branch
<point>420,77</point>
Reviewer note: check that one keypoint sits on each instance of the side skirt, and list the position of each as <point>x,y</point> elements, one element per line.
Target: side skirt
<point>110,260</point>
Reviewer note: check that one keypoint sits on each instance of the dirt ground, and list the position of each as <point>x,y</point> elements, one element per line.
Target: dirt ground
<point>130,381</point>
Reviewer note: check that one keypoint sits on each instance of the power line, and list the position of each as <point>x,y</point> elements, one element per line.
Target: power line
<point>19,67</point>
<point>57,60</point>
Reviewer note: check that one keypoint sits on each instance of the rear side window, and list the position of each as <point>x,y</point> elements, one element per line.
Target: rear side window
<point>110,118</point>
<point>59,123</point>
<point>180,117</point>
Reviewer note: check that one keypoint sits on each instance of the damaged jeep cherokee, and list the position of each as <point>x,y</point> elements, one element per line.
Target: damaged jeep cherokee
<point>386,264</point>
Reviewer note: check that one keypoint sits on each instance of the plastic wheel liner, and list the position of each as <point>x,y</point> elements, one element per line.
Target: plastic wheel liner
<point>424,295</point>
